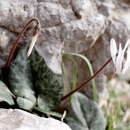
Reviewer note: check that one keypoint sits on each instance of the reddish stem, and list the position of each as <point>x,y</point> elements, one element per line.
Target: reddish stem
<point>87,80</point>
<point>15,43</point>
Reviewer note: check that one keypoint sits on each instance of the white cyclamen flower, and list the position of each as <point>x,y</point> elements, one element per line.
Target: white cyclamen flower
<point>120,57</point>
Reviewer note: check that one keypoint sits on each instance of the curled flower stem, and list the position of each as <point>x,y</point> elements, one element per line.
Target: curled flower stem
<point>16,42</point>
<point>87,80</point>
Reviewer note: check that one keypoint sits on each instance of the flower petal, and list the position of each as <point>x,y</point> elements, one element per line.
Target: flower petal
<point>127,62</point>
<point>113,50</point>
<point>119,60</point>
<point>34,39</point>
<point>126,45</point>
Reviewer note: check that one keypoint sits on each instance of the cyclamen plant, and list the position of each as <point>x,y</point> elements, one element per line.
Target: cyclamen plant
<point>121,62</point>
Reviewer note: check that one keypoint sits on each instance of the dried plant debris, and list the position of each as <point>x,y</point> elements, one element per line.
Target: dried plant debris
<point>20,80</point>
<point>5,94</point>
<point>85,114</point>
<point>48,85</point>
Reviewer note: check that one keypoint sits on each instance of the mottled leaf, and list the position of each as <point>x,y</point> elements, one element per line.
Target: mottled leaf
<point>85,114</point>
<point>48,85</point>
<point>5,94</point>
<point>20,80</point>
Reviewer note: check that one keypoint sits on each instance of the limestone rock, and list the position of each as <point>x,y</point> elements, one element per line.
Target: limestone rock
<point>15,12</point>
<point>5,43</point>
<point>80,34</point>
<point>59,23</point>
<point>82,8</point>
<point>15,119</point>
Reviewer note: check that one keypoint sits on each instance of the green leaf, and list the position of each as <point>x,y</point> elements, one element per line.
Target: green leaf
<point>75,124</point>
<point>48,85</point>
<point>5,94</point>
<point>85,114</point>
<point>20,80</point>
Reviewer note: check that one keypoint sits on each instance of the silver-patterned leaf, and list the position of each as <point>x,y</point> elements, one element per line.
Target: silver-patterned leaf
<point>20,80</point>
<point>48,85</point>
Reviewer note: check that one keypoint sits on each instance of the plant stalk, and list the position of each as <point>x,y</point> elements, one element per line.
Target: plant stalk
<point>15,43</point>
<point>87,80</point>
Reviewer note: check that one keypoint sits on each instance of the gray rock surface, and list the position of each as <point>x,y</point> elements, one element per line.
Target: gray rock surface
<point>15,119</point>
<point>71,25</point>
